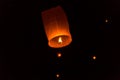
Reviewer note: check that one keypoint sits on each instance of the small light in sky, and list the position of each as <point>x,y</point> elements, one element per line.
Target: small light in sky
<point>106,20</point>
<point>59,54</point>
<point>94,57</point>
<point>57,75</point>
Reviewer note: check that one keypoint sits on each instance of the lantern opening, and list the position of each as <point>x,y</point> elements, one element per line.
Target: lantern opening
<point>60,41</point>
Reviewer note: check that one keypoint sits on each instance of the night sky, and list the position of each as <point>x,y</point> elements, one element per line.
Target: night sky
<point>25,54</point>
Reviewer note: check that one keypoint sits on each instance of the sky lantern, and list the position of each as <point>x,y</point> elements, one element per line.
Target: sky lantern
<point>56,27</point>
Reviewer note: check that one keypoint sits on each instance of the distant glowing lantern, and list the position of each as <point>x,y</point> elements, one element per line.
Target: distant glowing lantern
<point>106,20</point>
<point>56,27</point>
<point>94,57</point>
<point>59,55</point>
<point>57,75</point>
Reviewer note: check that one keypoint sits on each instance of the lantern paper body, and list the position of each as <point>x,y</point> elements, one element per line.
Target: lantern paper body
<point>56,27</point>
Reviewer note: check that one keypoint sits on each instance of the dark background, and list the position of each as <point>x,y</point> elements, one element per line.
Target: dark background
<point>25,54</point>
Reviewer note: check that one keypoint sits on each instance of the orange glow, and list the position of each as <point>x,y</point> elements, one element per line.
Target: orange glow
<point>106,20</point>
<point>60,40</point>
<point>59,55</point>
<point>94,57</point>
<point>56,27</point>
<point>57,75</point>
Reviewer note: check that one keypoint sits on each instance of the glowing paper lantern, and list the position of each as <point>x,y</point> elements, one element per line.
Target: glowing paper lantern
<point>56,27</point>
<point>94,57</point>
<point>59,55</point>
<point>57,75</point>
